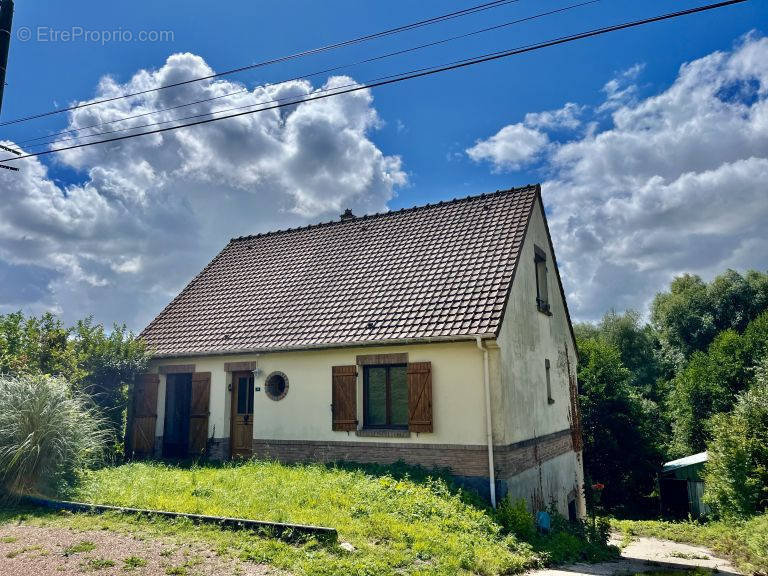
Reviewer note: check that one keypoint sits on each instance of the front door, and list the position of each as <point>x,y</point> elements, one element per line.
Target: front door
<point>241,437</point>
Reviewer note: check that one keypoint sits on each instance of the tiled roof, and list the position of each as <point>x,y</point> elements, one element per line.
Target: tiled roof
<point>433,271</point>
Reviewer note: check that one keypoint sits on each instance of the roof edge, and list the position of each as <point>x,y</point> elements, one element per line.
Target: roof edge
<point>332,345</point>
<point>378,215</point>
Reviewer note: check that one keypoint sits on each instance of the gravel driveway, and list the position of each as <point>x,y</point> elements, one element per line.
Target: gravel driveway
<point>26,550</point>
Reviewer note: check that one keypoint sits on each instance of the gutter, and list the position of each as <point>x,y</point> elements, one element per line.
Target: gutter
<point>354,344</point>
<point>488,419</point>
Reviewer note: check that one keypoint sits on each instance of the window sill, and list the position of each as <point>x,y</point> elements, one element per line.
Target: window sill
<point>382,433</point>
<point>546,312</point>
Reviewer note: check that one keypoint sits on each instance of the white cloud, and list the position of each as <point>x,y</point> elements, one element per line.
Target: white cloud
<point>511,148</point>
<point>152,211</point>
<point>621,89</point>
<point>566,117</point>
<point>518,145</point>
<point>677,183</point>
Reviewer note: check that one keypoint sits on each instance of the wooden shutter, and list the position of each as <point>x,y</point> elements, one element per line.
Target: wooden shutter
<point>144,415</point>
<point>344,398</point>
<point>420,397</point>
<point>199,412</point>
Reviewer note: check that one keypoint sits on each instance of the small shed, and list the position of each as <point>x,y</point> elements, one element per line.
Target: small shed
<point>681,486</point>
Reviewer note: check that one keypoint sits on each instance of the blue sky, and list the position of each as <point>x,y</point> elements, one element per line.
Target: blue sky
<point>412,140</point>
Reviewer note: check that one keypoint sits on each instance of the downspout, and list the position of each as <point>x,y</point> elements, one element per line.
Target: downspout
<point>488,420</point>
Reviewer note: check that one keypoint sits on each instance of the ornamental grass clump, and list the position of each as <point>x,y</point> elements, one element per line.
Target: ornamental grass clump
<point>47,434</point>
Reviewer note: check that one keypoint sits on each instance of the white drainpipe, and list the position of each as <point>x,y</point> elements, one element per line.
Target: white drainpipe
<point>488,420</point>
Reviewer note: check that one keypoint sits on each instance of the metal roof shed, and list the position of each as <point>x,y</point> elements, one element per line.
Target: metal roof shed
<point>681,485</point>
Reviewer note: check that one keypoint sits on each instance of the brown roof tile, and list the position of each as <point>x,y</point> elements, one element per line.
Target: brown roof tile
<point>438,270</point>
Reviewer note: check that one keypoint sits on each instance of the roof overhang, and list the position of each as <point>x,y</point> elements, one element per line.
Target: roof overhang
<point>330,345</point>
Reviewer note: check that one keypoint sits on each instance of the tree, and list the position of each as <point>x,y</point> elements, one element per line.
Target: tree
<point>638,347</point>
<point>621,435</point>
<point>107,364</point>
<point>736,474</point>
<point>692,312</point>
<point>710,383</point>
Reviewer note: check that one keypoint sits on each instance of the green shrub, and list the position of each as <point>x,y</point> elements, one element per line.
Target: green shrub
<point>736,474</point>
<point>47,433</point>
<point>515,519</point>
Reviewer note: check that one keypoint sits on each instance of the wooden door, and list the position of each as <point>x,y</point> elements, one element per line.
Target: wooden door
<point>241,432</point>
<point>198,413</point>
<point>144,416</point>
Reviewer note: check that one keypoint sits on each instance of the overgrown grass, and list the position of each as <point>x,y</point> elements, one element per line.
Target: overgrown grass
<point>745,542</point>
<point>396,525</point>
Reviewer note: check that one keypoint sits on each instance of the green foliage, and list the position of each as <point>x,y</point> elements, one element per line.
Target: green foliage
<point>98,363</point>
<point>638,348</point>
<point>692,312</point>
<point>395,523</point>
<point>108,363</point>
<point>710,383</point>
<point>515,518</point>
<point>737,471</point>
<point>47,433</point>
<point>620,428</point>
<point>743,541</point>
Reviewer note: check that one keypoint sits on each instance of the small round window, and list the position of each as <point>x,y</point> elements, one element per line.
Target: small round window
<point>276,385</point>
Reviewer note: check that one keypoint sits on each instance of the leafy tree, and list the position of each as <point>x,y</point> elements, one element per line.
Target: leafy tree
<point>737,471</point>
<point>621,435</point>
<point>107,363</point>
<point>692,312</point>
<point>710,383</point>
<point>638,347</point>
<point>707,386</point>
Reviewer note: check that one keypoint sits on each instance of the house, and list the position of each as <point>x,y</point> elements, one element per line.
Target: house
<point>436,335</point>
<point>681,487</point>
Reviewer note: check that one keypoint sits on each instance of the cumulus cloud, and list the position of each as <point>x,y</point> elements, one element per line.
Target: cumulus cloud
<point>675,183</point>
<point>148,213</point>
<point>518,145</point>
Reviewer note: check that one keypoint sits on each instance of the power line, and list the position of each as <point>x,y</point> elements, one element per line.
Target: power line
<point>305,76</point>
<point>281,59</point>
<point>410,75</point>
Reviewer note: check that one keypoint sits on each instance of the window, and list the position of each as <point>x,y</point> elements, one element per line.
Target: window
<point>385,396</point>
<point>550,400</point>
<point>244,393</point>
<point>542,294</point>
<point>276,386</point>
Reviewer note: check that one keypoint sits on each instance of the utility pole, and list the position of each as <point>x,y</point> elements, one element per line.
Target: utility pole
<point>6,21</point>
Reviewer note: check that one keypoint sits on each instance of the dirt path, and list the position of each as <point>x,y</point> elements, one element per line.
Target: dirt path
<point>646,555</point>
<point>28,550</point>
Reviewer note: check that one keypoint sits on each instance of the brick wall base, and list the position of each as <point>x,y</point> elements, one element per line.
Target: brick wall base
<point>218,448</point>
<point>467,462</point>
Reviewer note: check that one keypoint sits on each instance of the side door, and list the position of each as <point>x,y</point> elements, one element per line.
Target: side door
<point>241,433</point>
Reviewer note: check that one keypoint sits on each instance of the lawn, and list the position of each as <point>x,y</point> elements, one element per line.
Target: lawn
<point>745,542</point>
<point>398,522</point>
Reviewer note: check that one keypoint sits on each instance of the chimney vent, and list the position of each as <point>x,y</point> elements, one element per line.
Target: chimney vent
<point>347,215</point>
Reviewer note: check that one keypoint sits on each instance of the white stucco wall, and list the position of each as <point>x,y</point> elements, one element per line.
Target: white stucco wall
<point>305,412</point>
<point>526,339</point>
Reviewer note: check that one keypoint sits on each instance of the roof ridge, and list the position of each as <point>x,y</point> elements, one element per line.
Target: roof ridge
<point>469,198</point>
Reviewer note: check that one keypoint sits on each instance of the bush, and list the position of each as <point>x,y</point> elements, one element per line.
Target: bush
<point>737,471</point>
<point>515,519</point>
<point>47,433</point>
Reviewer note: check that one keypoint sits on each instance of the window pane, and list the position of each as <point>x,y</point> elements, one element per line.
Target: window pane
<point>541,271</point>
<point>398,385</point>
<point>242,394</point>
<point>250,395</point>
<point>376,397</point>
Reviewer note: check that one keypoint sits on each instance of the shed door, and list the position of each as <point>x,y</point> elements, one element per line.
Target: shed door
<point>241,437</point>
<point>144,417</point>
<point>199,412</point>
